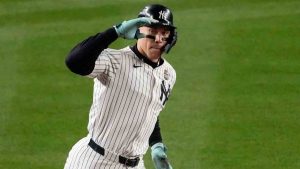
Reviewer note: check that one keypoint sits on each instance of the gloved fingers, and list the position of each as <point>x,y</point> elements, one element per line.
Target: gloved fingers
<point>159,155</point>
<point>167,165</point>
<point>145,21</point>
<point>163,156</point>
<point>139,35</point>
<point>163,164</point>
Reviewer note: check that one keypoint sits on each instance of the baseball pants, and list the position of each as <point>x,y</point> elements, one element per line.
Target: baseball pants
<point>82,156</point>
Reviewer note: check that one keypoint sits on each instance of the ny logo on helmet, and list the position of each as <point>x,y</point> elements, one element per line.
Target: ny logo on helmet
<point>163,15</point>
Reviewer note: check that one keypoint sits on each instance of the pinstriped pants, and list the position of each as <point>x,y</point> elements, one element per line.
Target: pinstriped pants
<point>82,156</point>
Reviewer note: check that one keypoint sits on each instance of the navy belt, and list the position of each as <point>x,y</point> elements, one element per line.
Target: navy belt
<point>123,160</point>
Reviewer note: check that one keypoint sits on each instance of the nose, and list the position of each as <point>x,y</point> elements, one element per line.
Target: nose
<point>158,38</point>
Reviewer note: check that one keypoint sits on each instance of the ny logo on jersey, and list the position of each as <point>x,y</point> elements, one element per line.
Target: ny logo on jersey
<point>163,15</point>
<point>164,93</point>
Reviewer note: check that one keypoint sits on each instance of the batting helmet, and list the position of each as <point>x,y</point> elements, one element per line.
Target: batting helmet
<point>165,18</point>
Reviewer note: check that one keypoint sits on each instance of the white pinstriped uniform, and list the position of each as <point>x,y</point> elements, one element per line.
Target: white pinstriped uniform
<point>128,97</point>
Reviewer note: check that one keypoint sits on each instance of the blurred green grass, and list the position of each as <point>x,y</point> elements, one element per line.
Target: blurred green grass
<point>235,104</point>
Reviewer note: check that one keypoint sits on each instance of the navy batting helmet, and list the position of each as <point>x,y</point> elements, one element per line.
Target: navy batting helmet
<point>165,18</point>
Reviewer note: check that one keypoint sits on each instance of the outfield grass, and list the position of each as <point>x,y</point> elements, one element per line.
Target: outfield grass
<point>235,104</point>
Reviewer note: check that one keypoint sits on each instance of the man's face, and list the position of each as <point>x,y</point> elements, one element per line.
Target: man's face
<point>153,44</point>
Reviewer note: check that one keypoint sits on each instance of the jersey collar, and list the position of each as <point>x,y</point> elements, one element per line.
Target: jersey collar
<point>145,59</point>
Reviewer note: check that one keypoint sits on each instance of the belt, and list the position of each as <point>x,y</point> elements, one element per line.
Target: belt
<point>123,160</point>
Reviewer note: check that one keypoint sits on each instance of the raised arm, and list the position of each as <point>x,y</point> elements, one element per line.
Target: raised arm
<point>81,59</point>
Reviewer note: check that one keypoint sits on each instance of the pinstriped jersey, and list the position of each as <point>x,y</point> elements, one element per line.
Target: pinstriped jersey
<point>128,96</point>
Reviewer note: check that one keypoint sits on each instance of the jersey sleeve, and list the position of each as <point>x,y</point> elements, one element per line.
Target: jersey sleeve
<point>107,64</point>
<point>81,59</point>
<point>173,81</point>
<point>171,75</point>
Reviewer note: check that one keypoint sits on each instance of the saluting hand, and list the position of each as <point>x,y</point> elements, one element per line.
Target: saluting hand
<point>129,29</point>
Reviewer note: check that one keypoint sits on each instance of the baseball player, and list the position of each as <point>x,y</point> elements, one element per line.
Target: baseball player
<point>131,87</point>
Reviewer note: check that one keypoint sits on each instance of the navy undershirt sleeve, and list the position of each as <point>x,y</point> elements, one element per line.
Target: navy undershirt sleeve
<point>81,59</point>
<point>156,135</point>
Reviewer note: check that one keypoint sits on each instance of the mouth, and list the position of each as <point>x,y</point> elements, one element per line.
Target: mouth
<point>155,48</point>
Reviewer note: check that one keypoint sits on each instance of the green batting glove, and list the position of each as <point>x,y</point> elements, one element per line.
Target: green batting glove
<point>159,156</point>
<point>129,29</point>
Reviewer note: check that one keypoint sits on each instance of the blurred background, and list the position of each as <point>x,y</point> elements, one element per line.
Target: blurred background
<point>235,105</point>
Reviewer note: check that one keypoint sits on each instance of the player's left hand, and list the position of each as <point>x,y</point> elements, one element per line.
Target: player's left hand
<point>159,156</point>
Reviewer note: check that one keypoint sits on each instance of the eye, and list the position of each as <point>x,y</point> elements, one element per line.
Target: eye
<point>164,38</point>
<point>152,31</point>
<point>165,33</point>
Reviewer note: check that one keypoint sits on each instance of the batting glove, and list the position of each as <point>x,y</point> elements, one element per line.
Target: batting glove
<point>129,29</point>
<point>159,156</point>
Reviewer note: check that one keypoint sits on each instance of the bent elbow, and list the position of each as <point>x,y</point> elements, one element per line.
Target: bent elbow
<point>75,65</point>
<point>70,63</point>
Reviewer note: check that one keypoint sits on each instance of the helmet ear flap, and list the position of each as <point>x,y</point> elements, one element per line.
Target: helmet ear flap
<point>171,41</point>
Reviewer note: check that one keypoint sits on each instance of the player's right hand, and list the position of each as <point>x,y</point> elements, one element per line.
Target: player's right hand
<point>129,29</point>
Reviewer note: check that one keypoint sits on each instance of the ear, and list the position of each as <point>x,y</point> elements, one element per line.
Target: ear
<point>171,41</point>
